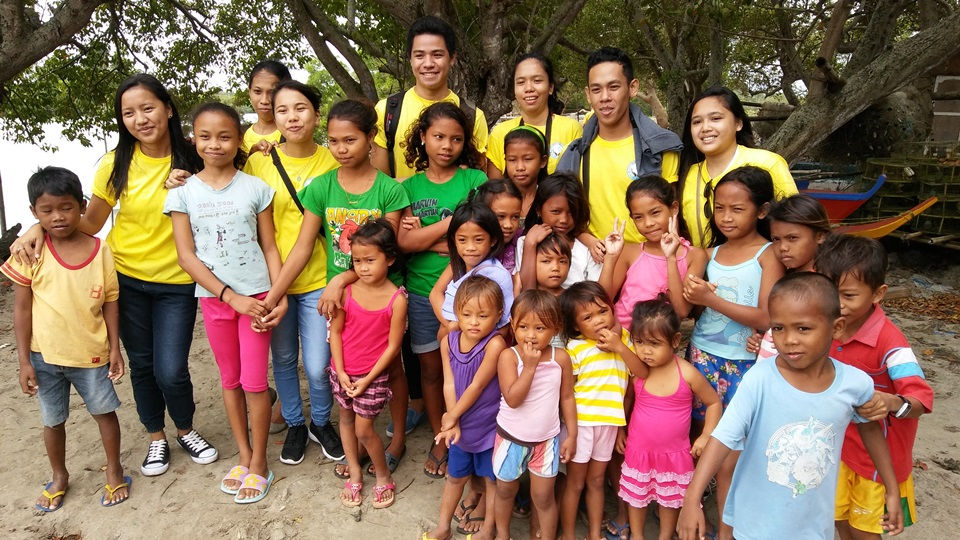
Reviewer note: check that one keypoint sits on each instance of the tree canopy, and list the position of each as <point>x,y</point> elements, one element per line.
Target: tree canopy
<point>825,61</point>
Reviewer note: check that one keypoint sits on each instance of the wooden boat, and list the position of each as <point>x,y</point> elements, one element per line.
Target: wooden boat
<point>840,204</point>
<point>883,227</point>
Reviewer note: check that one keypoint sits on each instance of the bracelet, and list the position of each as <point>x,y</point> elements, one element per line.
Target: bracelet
<point>223,290</point>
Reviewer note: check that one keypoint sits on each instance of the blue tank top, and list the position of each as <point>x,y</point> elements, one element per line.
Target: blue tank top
<point>717,334</point>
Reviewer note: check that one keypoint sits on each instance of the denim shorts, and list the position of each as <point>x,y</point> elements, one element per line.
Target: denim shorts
<point>423,324</point>
<point>53,389</point>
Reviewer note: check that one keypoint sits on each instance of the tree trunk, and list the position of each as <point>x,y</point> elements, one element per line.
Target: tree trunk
<point>889,71</point>
<point>23,41</point>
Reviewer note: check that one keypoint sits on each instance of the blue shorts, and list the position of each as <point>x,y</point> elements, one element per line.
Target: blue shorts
<point>723,374</point>
<point>53,389</point>
<point>511,459</point>
<point>461,463</point>
<point>423,324</point>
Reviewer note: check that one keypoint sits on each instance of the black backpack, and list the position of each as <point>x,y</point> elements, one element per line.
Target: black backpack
<point>391,121</point>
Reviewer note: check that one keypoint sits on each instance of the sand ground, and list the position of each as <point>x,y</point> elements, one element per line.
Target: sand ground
<point>186,502</point>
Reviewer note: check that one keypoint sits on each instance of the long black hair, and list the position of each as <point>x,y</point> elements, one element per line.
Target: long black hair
<point>182,154</point>
<point>760,186</point>
<point>570,187</point>
<point>473,211</point>
<point>416,152</point>
<point>690,155</point>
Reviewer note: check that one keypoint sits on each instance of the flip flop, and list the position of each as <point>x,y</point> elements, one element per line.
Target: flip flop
<point>257,482</point>
<point>438,462</point>
<point>621,530</point>
<point>464,510</point>
<point>50,497</point>
<point>356,495</point>
<point>425,537</point>
<point>125,484</point>
<point>238,472</point>
<point>379,501</point>
<point>392,462</point>
<point>470,519</point>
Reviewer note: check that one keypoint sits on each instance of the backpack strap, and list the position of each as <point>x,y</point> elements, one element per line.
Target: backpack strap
<point>390,121</point>
<point>286,178</point>
<point>469,109</point>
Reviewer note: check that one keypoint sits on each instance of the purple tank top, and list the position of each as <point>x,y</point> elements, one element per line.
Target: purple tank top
<point>478,425</point>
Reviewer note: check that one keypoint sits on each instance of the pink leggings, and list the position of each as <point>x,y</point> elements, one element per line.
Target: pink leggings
<point>241,353</point>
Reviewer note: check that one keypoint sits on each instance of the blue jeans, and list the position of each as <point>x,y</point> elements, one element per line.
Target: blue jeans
<point>156,327</point>
<point>302,326</point>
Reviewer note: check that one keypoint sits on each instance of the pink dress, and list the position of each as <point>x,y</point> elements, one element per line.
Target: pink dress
<point>657,465</point>
<point>645,279</point>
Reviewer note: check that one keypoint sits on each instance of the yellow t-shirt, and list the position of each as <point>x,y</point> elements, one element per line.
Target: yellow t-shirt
<point>612,168</point>
<point>287,217</point>
<point>142,236</point>
<point>68,326</point>
<point>563,131</point>
<point>410,110</point>
<point>251,137</point>
<point>697,177</point>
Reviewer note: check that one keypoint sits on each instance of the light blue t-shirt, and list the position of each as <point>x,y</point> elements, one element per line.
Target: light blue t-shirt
<point>717,334</point>
<point>224,224</point>
<point>490,268</point>
<point>786,477</point>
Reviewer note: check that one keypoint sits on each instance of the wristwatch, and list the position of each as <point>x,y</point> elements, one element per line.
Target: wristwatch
<point>904,409</point>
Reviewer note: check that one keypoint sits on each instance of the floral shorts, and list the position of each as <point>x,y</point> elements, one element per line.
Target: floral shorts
<point>724,375</point>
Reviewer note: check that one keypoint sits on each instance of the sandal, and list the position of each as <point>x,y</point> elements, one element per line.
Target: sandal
<point>392,462</point>
<point>355,494</point>
<point>111,489</point>
<point>257,482</point>
<point>612,531</point>
<point>379,501</point>
<point>238,472</point>
<point>470,519</point>
<point>439,462</point>
<point>50,497</point>
<point>464,510</point>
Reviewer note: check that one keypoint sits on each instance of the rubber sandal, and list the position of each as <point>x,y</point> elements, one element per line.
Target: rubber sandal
<point>356,494</point>
<point>346,475</point>
<point>50,497</point>
<point>257,482</point>
<point>392,462</point>
<point>425,537</point>
<point>470,519</point>
<point>238,472</point>
<point>621,530</point>
<point>464,510</point>
<point>439,462</point>
<point>125,484</point>
<point>378,499</point>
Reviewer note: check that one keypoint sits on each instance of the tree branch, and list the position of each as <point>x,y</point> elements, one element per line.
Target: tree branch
<point>199,27</point>
<point>335,36</point>
<point>831,40</point>
<point>319,45</point>
<point>554,29</point>
<point>878,33</point>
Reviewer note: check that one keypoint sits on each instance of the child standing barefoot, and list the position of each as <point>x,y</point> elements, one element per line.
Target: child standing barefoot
<point>658,458</point>
<point>472,396</point>
<point>223,227</point>
<point>534,378</point>
<point>364,339</point>
<point>65,331</point>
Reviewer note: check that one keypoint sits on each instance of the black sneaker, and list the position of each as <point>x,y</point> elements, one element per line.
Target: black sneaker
<point>158,459</point>
<point>294,445</point>
<point>199,449</point>
<point>328,439</point>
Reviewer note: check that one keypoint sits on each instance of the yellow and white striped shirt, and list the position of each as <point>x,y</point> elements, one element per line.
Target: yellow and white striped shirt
<point>601,382</point>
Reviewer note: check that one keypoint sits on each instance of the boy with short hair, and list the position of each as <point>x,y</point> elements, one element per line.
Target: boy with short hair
<point>432,51</point>
<point>619,144</point>
<point>66,322</point>
<point>787,418</point>
<point>871,342</point>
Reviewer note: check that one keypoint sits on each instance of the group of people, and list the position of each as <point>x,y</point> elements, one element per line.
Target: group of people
<point>522,292</point>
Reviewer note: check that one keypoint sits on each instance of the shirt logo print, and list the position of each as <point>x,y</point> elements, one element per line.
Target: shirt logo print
<point>96,291</point>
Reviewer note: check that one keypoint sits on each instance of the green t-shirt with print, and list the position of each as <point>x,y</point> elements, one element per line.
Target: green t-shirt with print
<point>343,213</point>
<point>432,203</point>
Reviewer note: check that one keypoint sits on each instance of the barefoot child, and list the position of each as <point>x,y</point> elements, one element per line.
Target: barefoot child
<point>534,378</point>
<point>364,339</point>
<point>472,396</point>
<point>788,419</point>
<point>223,227</point>
<point>601,353</point>
<point>66,323</point>
<point>658,456</point>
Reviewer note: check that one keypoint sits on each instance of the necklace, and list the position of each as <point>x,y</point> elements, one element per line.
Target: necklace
<point>367,184</point>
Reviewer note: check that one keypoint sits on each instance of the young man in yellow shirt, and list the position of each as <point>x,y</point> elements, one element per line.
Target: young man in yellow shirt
<point>432,50</point>
<point>619,144</point>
